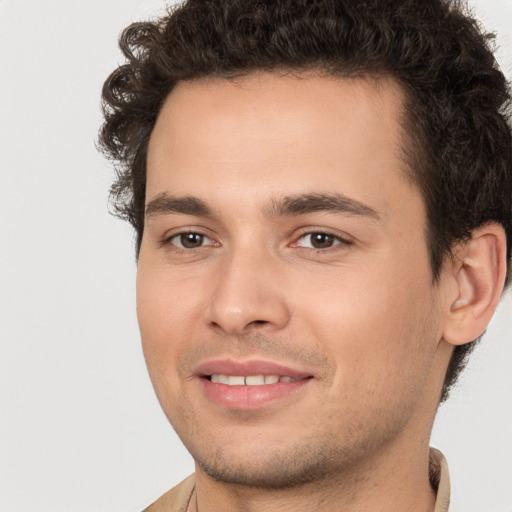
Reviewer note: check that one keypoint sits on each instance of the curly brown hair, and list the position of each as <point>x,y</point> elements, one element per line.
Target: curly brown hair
<point>458,141</point>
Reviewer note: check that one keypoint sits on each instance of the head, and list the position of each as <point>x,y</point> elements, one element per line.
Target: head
<point>456,100</point>
<point>440,88</point>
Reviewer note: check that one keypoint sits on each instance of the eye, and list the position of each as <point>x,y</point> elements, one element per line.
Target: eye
<point>190,240</point>
<point>319,240</point>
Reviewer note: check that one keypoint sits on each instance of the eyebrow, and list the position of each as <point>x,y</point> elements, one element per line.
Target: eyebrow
<point>300,204</point>
<point>310,203</point>
<point>189,205</point>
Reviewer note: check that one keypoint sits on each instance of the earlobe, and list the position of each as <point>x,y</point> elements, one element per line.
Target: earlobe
<point>479,276</point>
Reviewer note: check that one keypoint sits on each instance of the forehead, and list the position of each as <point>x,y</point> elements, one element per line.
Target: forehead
<point>268,133</point>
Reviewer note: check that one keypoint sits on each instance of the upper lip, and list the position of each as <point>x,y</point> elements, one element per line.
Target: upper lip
<point>249,367</point>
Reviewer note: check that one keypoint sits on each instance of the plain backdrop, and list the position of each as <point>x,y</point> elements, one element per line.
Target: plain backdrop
<point>80,427</point>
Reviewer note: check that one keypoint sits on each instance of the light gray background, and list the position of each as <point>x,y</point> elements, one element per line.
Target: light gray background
<point>80,428</point>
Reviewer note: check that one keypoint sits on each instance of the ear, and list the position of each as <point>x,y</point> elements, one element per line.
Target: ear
<point>478,274</point>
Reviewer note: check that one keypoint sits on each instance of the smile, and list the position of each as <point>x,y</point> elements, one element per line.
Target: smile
<point>250,380</point>
<point>251,384</point>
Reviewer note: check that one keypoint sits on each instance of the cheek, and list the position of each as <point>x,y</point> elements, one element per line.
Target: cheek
<point>167,313</point>
<point>167,310</point>
<point>166,300</point>
<point>373,324</point>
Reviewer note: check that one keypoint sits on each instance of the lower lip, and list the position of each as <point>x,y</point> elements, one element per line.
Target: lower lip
<point>247,398</point>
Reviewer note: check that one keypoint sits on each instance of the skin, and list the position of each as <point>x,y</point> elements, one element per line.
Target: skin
<point>362,318</point>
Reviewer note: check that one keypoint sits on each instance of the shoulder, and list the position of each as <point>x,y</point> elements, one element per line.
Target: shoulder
<point>175,500</point>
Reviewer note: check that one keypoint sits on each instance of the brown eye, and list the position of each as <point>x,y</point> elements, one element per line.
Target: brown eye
<point>322,240</point>
<point>189,240</point>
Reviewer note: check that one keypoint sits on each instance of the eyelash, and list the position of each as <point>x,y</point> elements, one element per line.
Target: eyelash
<point>169,240</point>
<point>337,241</point>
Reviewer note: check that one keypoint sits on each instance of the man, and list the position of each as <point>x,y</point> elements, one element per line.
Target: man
<point>322,195</point>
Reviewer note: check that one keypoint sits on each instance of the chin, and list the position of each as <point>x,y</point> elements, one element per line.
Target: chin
<point>277,474</point>
<point>263,467</point>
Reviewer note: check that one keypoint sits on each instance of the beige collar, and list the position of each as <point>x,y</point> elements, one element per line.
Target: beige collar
<point>439,479</point>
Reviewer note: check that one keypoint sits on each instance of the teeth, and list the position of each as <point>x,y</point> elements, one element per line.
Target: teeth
<point>236,381</point>
<point>250,380</point>
<point>221,379</point>
<point>254,380</point>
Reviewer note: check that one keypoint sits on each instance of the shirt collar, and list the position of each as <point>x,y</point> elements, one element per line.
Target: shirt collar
<point>439,479</point>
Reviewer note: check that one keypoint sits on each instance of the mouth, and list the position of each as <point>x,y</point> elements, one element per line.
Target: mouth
<point>249,380</point>
<point>250,385</point>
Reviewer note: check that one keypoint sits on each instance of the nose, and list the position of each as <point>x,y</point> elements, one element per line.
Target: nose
<point>248,295</point>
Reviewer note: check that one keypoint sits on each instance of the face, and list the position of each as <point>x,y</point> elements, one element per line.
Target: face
<point>285,298</point>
